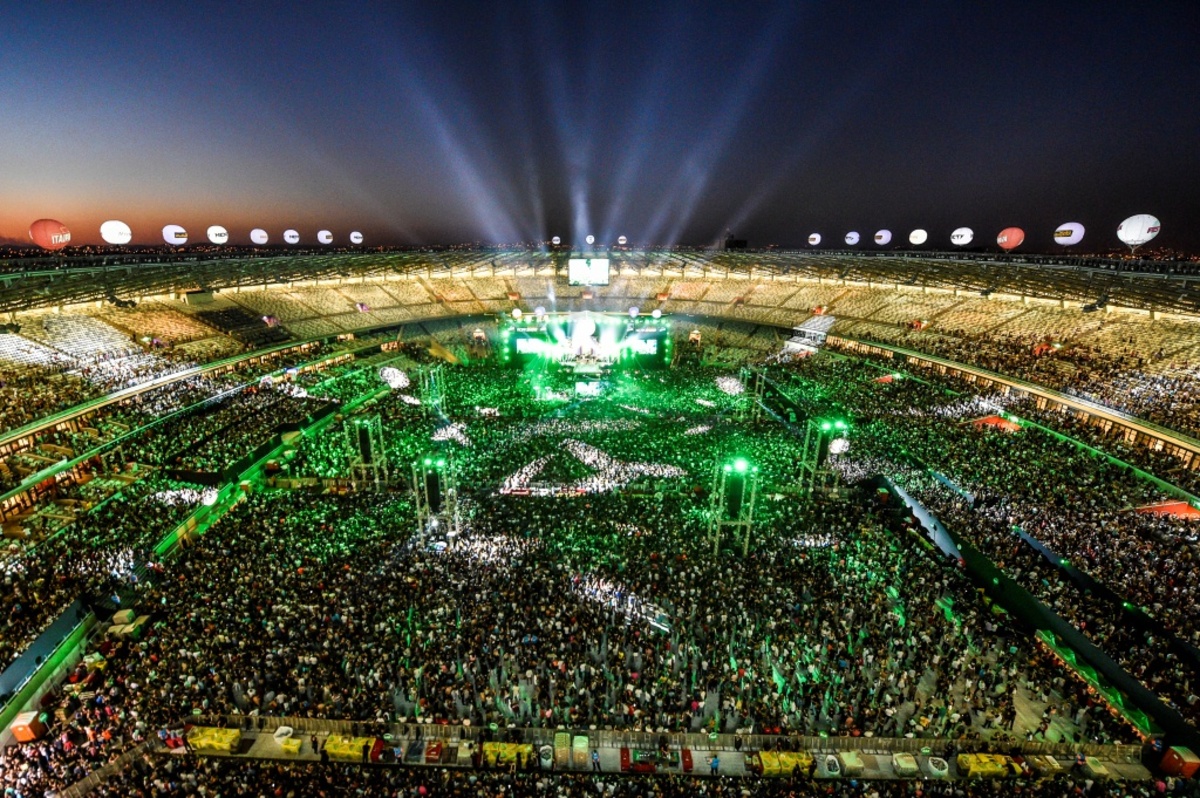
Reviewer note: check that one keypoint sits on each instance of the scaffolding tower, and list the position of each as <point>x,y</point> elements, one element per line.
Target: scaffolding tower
<point>435,494</point>
<point>432,389</point>
<point>750,406</point>
<point>368,458</point>
<point>731,502</point>
<point>819,434</point>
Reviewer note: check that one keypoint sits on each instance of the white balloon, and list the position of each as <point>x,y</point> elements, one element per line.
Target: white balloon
<point>591,239</point>
<point>291,237</point>
<point>259,236</point>
<point>325,237</point>
<point>556,241</point>
<point>621,240</point>
<point>356,237</point>
<point>883,237</point>
<point>852,238</point>
<point>1068,234</point>
<point>962,236</point>
<point>1137,230</point>
<point>174,235</point>
<point>218,234</point>
<point>814,239</point>
<point>918,237</point>
<point>115,232</point>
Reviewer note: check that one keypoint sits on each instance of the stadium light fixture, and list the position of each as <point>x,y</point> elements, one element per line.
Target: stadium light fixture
<point>740,465</point>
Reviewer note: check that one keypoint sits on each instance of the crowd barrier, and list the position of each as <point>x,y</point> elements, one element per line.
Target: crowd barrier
<point>621,738</point>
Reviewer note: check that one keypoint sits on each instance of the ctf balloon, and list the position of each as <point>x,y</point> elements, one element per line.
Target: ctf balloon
<point>1136,230</point>
<point>814,239</point>
<point>962,236</point>
<point>49,234</point>
<point>116,232</point>
<point>918,237</point>
<point>1068,234</point>
<point>852,238</point>
<point>883,237</point>
<point>1010,238</point>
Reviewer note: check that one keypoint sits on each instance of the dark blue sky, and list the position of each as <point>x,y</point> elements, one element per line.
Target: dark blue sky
<point>666,122</point>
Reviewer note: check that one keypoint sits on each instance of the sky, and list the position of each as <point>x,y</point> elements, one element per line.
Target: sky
<point>666,122</point>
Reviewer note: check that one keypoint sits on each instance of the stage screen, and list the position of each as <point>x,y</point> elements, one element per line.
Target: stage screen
<point>587,271</point>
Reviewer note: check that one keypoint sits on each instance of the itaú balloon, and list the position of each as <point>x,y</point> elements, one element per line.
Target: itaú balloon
<point>116,232</point>
<point>1010,238</point>
<point>962,236</point>
<point>1068,234</point>
<point>883,237</point>
<point>852,238</point>
<point>49,234</point>
<point>1134,231</point>
<point>814,239</point>
<point>174,235</point>
<point>218,234</point>
<point>918,237</point>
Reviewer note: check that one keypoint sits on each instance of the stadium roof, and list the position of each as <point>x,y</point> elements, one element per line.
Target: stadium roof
<point>31,283</point>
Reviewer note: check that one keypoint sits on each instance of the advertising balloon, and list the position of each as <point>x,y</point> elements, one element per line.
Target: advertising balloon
<point>1068,234</point>
<point>1010,238</point>
<point>291,237</point>
<point>883,237</point>
<point>174,235</point>
<point>852,238</point>
<point>814,239</point>
<point>218,234</point>
<point>325,237</point>
<point>918,237</point>
<point>259,236</point>
<point>556,241</point>
<point>115,232</point>
<point>621,240</point>
<point>356,237</point>
<point>49,234</point>
<point>962,236</point>
<point>1136,230</point>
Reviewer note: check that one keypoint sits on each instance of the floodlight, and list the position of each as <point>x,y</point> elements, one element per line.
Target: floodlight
<point>441,462</point>
<point>826,426</point>
<point>728,468</point>
<point>428,461</point>
<point>656,313</point>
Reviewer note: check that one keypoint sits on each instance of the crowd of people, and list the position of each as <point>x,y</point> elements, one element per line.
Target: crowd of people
<point>1130,380</point>
<point>298,603</point>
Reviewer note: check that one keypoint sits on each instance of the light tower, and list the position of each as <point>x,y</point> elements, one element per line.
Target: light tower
<point>432,389</point>
<point>750,403</point>
<point>368,458</point>
<point>435,493</point>
<point>822,437</point>
<point>731,502</point>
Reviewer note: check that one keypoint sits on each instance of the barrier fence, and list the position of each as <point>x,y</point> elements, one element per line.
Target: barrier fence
<point>617,738</point>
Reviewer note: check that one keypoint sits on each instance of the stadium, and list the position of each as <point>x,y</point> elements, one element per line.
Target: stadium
<point>792,521</point>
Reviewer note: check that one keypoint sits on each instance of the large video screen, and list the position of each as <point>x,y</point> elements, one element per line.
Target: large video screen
<point>587,271</point>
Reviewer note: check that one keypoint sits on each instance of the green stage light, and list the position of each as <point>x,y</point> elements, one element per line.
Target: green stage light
<point>840,424</point>
<point>826,426</point>
<point>740,464</point>
<point>728,468</point>
<point>441,463</point>
<point>428,461</point>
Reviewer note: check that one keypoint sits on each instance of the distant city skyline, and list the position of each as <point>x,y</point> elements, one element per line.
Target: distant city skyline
<point>444,123</point>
